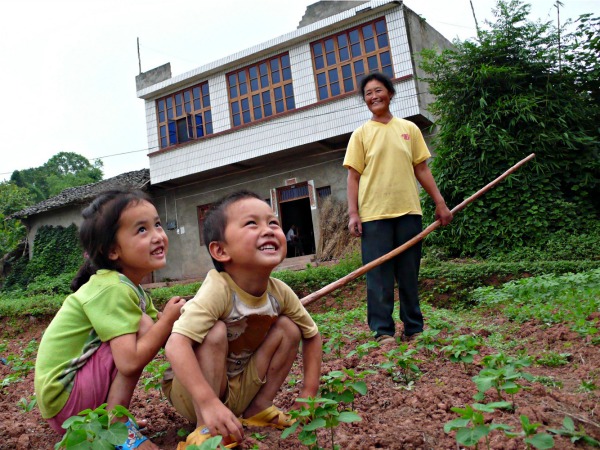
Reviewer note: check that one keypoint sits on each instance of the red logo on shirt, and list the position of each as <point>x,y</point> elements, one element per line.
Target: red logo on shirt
<point>406,136</point>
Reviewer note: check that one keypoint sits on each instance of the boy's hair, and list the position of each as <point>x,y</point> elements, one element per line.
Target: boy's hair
<point>383,79</point>
<point>215,221</point>
<point>98,231</point>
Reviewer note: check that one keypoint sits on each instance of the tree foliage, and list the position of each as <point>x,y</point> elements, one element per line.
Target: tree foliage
<point>12,199</point>
<point>517,90</point>
<point>61,171</point>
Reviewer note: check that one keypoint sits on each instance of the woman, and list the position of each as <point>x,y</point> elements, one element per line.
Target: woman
<point>385,158</point>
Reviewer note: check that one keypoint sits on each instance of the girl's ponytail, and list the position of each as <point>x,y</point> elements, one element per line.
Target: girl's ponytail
<point>83,274</point>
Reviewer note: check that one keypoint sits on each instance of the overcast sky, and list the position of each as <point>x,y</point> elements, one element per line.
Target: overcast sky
<point>68,67</point>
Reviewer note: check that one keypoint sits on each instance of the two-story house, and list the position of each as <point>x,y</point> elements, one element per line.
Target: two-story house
<point>276,119</point>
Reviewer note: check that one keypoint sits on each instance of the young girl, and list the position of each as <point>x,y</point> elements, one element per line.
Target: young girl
<point>97,345</point>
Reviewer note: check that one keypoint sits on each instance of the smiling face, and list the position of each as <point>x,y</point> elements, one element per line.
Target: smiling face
<point>254,241</point>
<point>377,98</point>
<point>141,244</point>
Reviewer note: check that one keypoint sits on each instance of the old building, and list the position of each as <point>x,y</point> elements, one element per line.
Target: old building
<point>276,119</point>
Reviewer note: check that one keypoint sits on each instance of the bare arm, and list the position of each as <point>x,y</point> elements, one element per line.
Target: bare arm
<point>133,351</point>
<point>312,356</point>
<point>210,409</point>
<point>425,178</point>
<point>354,223</point>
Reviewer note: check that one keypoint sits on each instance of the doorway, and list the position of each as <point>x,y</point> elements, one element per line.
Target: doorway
<point>297,211</point>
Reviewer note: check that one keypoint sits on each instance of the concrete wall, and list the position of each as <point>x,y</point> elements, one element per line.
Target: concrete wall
<point>324,9</point>
<point>421,35</point>
<point>189,259</point>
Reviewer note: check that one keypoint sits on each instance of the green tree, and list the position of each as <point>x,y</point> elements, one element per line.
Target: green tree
<point>500,98</point>
<point>61,171</point>
<point>12,199</point>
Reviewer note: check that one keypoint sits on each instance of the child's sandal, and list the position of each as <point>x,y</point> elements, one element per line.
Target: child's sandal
<point>134,437</point>
<point>198,436</point>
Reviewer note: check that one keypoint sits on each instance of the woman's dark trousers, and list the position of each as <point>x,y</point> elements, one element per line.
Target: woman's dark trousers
<point>378,238</point>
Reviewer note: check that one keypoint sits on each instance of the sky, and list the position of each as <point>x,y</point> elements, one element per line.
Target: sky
<point>68,67</point>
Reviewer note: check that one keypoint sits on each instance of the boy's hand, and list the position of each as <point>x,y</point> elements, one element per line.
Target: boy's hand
<point>172,309</point>
<point>221,421</point>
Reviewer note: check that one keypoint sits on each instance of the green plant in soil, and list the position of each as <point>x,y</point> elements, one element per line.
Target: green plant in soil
<point>504,379</point>
<point>335,343</point>
<point>318,413</point>
<point>461,349</point>
<point>343,385</point>
<point>361,350</point>
<point>568,430</point>
<point>429,342</point>
<point>501,359</point>
<point>153,372</point>
<point>94,429</point>
<point>21,364</point>
<point>26,405</point>
<point>531,437</point>
<point>401,364</point>
<point>553,359</point>
<point>471,426</point>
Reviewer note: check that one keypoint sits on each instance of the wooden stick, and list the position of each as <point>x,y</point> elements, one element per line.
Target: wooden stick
<point>361,270</point>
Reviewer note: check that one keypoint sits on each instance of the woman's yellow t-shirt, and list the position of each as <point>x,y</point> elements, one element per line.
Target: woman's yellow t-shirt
<point>385,155</point>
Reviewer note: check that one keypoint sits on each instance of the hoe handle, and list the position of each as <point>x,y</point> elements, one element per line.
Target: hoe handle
<point>361,270</point>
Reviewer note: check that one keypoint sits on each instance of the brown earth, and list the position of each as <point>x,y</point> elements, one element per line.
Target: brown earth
<point>394,415</point>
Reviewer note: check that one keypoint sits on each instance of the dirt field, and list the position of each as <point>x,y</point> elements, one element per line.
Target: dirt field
<point>394,416</point>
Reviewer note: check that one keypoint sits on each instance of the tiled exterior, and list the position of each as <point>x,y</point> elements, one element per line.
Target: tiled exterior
<point>289,130</point>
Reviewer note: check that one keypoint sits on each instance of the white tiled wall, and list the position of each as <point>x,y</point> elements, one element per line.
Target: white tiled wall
<point>308,125</point>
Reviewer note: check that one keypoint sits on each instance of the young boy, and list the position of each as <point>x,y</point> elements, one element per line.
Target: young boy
<point>237,339</point>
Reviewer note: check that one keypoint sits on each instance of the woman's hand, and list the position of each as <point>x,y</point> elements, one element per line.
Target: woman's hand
<point>355,225</point>
<point>443,214</point>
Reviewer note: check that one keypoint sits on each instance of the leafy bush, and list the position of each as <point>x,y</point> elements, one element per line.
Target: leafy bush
<point>500,97</point>
<point>56,251</point>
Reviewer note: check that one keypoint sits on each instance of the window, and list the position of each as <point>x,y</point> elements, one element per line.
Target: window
<point>261,90</point>
<point>323,192</point>
<point>342,60</point>
<point>184,116</point>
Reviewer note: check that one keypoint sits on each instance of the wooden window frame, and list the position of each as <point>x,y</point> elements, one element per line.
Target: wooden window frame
<point>184,116</point>
<point>341,60</point>
<point>260,90</point>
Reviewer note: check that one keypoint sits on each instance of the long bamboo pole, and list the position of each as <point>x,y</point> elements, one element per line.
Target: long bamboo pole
<point>361,270</point>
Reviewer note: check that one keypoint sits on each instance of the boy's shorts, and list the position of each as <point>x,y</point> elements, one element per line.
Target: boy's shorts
<point>90,388</point>
<point>241,390</point>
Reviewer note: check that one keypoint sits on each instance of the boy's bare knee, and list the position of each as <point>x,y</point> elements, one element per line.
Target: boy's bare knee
<point>217,334</point>
<point>289,328</point>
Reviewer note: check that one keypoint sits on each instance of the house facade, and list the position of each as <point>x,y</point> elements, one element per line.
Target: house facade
<point>276,119</point>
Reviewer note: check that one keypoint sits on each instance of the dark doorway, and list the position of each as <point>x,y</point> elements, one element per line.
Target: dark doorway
<point>297,212</point>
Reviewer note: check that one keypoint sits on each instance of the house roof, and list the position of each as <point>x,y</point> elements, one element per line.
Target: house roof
<point>84,194</point>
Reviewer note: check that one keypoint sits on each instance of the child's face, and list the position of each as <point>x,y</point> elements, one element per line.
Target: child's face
<point>141,244</point>
<point>253,236</point>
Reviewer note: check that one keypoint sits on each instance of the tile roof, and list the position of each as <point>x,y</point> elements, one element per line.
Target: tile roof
<point>84,194</point>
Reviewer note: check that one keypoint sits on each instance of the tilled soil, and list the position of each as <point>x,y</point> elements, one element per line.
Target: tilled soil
<point>394,415</point>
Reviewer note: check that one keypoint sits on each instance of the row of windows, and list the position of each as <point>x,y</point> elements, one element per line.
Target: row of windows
<point>266,88</point>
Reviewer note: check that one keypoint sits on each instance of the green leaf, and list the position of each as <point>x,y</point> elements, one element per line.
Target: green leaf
<point>349,417</point>
<point>471,436</point>
<point>541,441</point>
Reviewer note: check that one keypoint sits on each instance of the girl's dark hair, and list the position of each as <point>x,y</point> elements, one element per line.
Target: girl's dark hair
<point>383,79</point>
<point>99,228</point>
<point>215,221</point>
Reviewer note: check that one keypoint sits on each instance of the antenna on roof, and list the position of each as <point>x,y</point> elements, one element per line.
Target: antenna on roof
<point>139,59</point>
